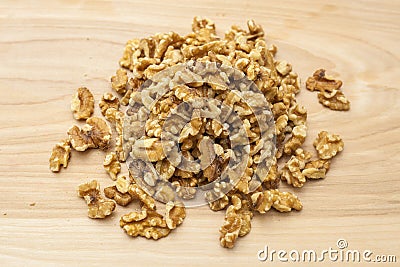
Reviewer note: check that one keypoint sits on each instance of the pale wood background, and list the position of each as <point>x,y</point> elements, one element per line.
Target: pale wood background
<point>49,48</point>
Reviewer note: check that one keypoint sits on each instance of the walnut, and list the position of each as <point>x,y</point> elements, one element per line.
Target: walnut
<point>272,180</point>
<point>320,82</point>
<point>298,137</point>
<point>122,199</point>
<point>107,101</point>
<point>316,169</point>
<point>219,204</point>
<point>96,133</point>
<point>98,206</point>
<point>136,192</point>
<point>150,148</point>
<point>147,223</point>
<point>112,165</point>
<point>283,67</point>
<point>123,183</point>
<point>237,222</point>
<point>60,155</point>
<point>291,172</point>
<point>328,145</point>
<point>82,104</point>
<point>334,100</point>
<point>126,97</point>
<point>174,214</point>
<point>297,114</point>
<point>281,201</point>
<point>119,81</point>
<point>184,192</point>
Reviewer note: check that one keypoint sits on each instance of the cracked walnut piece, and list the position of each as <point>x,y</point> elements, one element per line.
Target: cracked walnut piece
<point>320,82</point>
<point>96,133</point>
<point>281,201</point>
<point>146,223</point>
<point>98,206</point>
<point>122,199</point>
<point>316,169</point>
<point>82,104</point>
<point>112,165</point>
<point>175,213</point>
<point>328,145</point>
<point>108,100</point>
<point>60,155</point>
<point>334,100</point>
<point>119,81</point>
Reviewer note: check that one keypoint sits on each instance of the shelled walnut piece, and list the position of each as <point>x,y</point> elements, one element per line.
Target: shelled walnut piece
<point>108,100</point>
<point>328,145</point>
<point>147,223</point>
<point>112,165</point>
<point>96,133</point>
<point>82,104</point>
<point>329,93</point>
<point>98,206</point>
<point>60,155</point>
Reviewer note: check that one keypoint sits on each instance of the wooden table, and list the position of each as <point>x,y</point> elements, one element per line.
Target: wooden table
<point>49,48</point>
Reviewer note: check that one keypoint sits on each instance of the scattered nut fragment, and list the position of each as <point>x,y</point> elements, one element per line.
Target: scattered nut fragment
<point>174,214</point>
<point>96,133</point>
<point>98,206</point>
<point>119,81</point>
<point>297,139</point>
<point>108,100</point>
<point>316,169</point>
<point>146,223</point>
<point>328,145</point>
<point>122,199</point>
<point>82,104</point>
<point>60,155</point>
<point>136,192</point>
<point>334,100</point>
<point>320,82</point>
<point>112,165</point>
<point>237,222</point>
<point>291,172</point>
<point>281,201</point>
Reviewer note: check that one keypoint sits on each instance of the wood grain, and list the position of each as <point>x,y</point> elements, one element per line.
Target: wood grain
<point>49,48</point>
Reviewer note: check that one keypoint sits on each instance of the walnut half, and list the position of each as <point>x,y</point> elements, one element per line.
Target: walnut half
<point>98,206</point>
<point>82,104</point>
<point>60,155</point>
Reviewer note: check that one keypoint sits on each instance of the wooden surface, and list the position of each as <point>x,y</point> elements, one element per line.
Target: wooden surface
<point>49,48</point>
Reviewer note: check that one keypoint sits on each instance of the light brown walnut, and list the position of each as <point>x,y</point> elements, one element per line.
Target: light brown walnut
<point>281,201</point>
<point>112,165</point>
<point>334,100</point>
<point>328,145</point>
<point>175,213</point>
<point>108,100</point>
<point>119,81</point>
<point>60,155</point>
<point>98,206</point>
<point>320,82</point>
<point>82,104</point>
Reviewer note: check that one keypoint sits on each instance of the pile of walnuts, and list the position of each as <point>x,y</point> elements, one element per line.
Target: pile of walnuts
<point>204,145</point>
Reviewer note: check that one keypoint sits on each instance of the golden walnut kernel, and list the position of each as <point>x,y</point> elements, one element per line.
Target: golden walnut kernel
<point>320,82</point>
<point>328,145</point>
<point>96,133</point>
<point>98,206</point>
<point>291,172</point>
<point>174,214</point>
<point>237,222</point>
<point>82,104</point>
<point>108,100</point>
<point>112,165</point>
<point>136,192</point>
<point>119,81</point>
<point>298,137</point>
<point>334,100</point>
<point>281,201</point>
<point>316,169</point>
<point>60,155</point>
<point>122,199</point>
<point>146,223</point>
